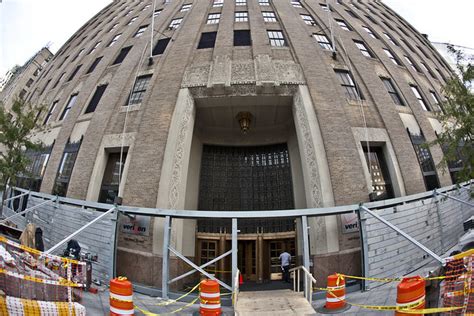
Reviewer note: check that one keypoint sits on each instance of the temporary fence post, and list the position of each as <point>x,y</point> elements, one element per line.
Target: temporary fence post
<point>401,232</point>
<point>165,268</point>
<point>363,242</point>
<point>305,229</point>
<point>234,251</point>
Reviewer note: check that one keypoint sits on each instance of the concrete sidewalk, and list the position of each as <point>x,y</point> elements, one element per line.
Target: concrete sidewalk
<point>383,295</point>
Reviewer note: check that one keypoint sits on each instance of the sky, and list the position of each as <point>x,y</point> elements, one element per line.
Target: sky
<point>28,25</point>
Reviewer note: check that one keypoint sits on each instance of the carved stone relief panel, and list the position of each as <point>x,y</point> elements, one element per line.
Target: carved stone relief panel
<point>220,71</point>
<point>243,72</point>
<point>308,150</point>
<point>196,76</point>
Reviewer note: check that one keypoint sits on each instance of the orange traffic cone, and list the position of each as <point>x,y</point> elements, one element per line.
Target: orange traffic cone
<point>241,279</point>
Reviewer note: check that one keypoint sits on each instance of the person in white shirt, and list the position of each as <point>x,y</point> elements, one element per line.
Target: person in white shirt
<point>285,258</point>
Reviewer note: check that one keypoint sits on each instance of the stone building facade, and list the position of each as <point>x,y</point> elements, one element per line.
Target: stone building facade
<point>339,95</point>
<point>19,82</point>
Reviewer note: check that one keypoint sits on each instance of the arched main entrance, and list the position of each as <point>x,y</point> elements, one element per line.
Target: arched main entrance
<point>247,178</point>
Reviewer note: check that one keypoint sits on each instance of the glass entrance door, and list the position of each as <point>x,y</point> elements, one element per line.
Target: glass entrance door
<point>247,259</point>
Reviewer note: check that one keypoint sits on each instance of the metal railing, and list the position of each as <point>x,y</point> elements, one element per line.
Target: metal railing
<point>309,280</point>
<point>236,286</point>
<point>236,217</point>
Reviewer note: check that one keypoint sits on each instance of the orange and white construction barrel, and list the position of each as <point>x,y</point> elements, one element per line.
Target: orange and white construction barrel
<point>411,294</point>
<point>210,298</point>
<point>121,297</point>
<point>335,296</point>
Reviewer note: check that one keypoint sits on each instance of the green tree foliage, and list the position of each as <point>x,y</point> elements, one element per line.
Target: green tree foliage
<point>16,129</point>
<point>457,118</point>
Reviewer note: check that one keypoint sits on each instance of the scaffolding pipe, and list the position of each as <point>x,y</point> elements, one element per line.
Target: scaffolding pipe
<point>50,250</point>
<point>15,197</point>
<point>453,198</point>
<point>25,211</point>
<point>401,232</point>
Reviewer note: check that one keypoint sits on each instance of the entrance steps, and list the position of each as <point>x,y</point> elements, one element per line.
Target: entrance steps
<point>272,303</point>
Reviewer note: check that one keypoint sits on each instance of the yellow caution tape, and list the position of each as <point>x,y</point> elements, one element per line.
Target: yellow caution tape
<point>406,308</point>
<point>442,277</point>
<point>61,282</point>
<point>179,298</point>
<point>39,253</point>
<point>148,313</point>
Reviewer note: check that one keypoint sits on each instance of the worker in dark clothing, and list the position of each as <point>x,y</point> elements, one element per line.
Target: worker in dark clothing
<point>39,245</point>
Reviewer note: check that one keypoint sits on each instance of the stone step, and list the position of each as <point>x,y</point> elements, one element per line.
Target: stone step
<point>272,303</point>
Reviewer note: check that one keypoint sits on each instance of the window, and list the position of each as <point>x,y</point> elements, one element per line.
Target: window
<point>218,3</point>
<point>240,2</point>
<point>411,63</point>
<point>33,176</point>
<point>269,16</point>
<point>29,83</point>
<point>59,79</point>
<point>428,69</point>
<point>111,180</point>
<point>157,12</point>
<point>264,2</point>
<point>96,98</point>
<point>175,23</point>
<point>371,19</point>
<point>369,31</point>
<point>424,53</point>
<point>435,98</point>
<point>296,4</point>
<point>133,20</point>
<point>139,89</point>
<point>363,49</point>
<point>121,56</point>
<point>425,160</point>
<point>114,40</point>
<point>391,56</point>
<point>73,74</point>
<point>276,38</point>
<point>208,252</point>
<point>417,94</point>
<point>390,39</point>
<point>213,18</point>
<point>343,24</point>
<point>47,83</point>
<point>323,41</point>
<point>348,84</point>
<point>140,31</point>
<point>352,14</point>
<point>380,176</point>
<point>308,19</point>
<point>242,38</point>
<point>186,7</point>
<point>160,46</point>
<point>94,48</point>
<point>70,104</point>
<point>241,16</point>
<point>78,54</point>
<point>50,112</point>
<point>65,168</point>
<point>94,64</point>
<point>387,82</point>
<point>208,40</point>
<point>113,27</point>
<point>324,7</point>
<point>22,93</point>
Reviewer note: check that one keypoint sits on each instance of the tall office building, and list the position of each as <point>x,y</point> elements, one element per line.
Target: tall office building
<point>241,105</point>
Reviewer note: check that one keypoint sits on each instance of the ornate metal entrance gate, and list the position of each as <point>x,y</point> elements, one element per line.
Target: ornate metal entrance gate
<point>246,178</point>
